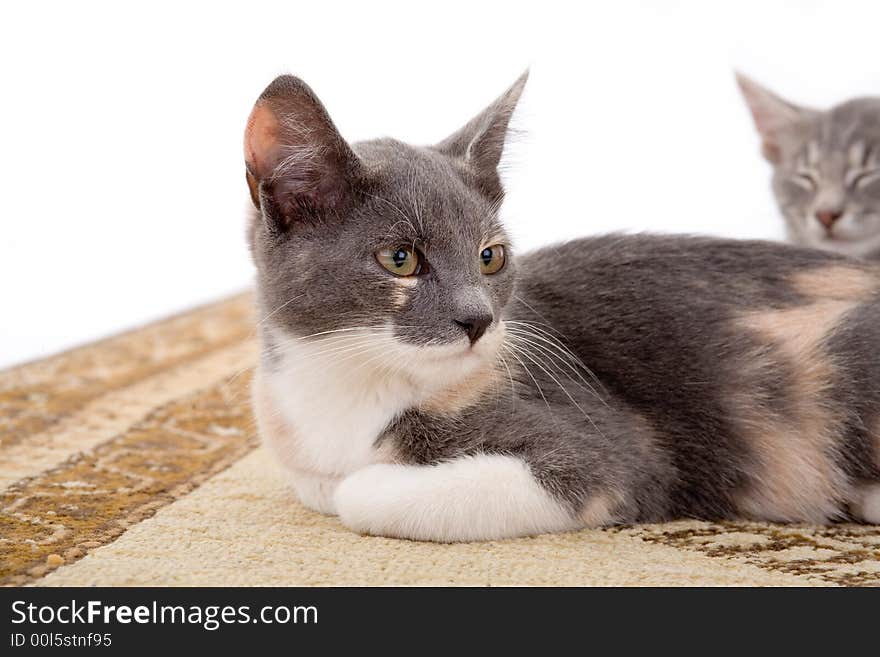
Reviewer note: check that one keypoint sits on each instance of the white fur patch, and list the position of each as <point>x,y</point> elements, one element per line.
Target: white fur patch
<point>473,498</point>
<point>336,401</point>
<point>315,491</point>
<point>332,398</point>
<point>333,402</point>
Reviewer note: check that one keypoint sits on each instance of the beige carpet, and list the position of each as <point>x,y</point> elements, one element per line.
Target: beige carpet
<point>133,461</point>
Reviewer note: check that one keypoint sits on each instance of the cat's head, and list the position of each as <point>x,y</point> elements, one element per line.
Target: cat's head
<point>379,245</point>
<point>826,168</point>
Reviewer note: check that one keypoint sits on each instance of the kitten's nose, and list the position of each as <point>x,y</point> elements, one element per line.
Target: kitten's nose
<point>828,217</point>
<point>475,326</point>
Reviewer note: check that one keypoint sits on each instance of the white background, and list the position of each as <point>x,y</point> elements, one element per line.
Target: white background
<point>122,192</point>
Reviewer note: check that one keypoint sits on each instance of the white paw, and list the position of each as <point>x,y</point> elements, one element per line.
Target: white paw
<point>367,502</point>
<point>481,497</point>
<point>316,491</point>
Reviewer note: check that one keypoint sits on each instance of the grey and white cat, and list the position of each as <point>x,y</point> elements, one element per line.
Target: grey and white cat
<point>826,169</point>
<point>422,379</point>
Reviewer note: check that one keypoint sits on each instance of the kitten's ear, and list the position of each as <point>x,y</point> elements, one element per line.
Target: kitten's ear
<point>479,144</point>
<point>297,162</point>
<point>772,115</point>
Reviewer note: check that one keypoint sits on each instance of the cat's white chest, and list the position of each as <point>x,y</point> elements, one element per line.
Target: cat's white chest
<point>323,419</point>
<point>334,427</point>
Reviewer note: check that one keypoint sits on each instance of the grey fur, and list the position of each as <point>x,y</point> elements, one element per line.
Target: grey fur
<point>627,355</point>
<point>826,164</point>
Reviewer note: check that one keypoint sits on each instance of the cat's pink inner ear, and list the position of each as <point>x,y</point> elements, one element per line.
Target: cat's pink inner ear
<point>771,114</point>
<point>261,141</point>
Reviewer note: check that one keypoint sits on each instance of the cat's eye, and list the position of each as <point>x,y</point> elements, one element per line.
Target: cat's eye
<point>805,180</point>
<point>401,260</point>
<point>864,178</point>
<point>492,259</point>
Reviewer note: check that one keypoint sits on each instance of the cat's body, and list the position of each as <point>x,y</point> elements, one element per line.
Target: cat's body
<point>605,380</point>
<point>826,169</point>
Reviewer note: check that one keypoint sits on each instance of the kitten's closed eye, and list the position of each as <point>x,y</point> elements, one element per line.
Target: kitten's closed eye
<point>859,179</point>
<point>806,180</point>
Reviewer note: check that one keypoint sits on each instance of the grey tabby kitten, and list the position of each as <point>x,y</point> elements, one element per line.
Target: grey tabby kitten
<point>826,169</point>
<point>421,379</point>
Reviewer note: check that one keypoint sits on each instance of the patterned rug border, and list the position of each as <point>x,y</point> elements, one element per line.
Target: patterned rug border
<point>116,411</point>
<point>132,331</point>
<point>843,554</point>
<point>60,515</point>
<point>30,405</point>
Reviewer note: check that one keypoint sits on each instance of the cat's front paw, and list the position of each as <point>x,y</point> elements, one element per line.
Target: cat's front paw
<point>316,491</point>
<point>367,504</point>
<point>480,497</point>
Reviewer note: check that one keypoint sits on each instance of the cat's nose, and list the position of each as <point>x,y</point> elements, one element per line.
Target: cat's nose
<point>828,217</point>
<point>475,325</point>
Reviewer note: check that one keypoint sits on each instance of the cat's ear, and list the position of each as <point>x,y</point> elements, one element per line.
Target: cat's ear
<point>297,163</point>
<point>480,143</point>
<point>772,115</point>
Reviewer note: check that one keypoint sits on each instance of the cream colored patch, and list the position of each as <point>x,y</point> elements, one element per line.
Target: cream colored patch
<point>463,394</point>
<point>598,511</point>
<point>838,283</point>
<point>799,480</point>
<point>798,333</point>
<point>866,503</point>
<point>399,295</point>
